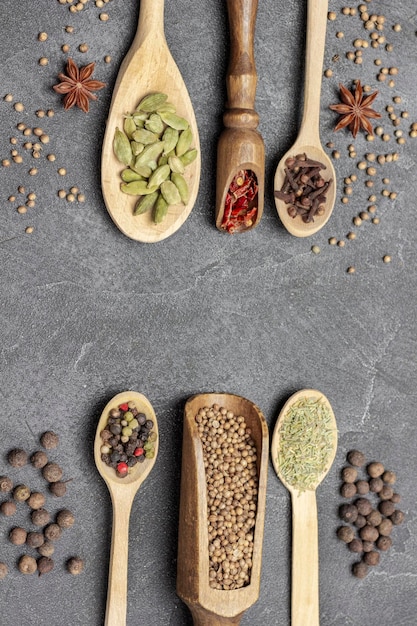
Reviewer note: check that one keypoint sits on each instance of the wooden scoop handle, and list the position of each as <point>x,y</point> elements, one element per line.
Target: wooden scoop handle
<point>215,620</point>
<point>241,77</point>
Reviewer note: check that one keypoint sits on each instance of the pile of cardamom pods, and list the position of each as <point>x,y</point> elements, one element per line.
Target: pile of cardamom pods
<point>155,145</point>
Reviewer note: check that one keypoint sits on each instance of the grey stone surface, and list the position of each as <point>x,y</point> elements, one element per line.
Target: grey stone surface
<point>86,312</point>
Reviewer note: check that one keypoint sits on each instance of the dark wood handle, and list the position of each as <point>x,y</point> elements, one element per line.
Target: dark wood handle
<point>241,77</point>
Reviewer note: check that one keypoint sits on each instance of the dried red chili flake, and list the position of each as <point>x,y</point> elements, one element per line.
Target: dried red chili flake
<point>241,205</point>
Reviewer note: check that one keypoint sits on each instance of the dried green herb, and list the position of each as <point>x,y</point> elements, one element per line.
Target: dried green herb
<point>305,443</point>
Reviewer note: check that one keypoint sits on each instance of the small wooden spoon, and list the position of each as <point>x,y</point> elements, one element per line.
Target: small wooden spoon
<point>308,140</point>
<point>148,67</point>
<point>240,145</point>
<point>214,607</point>
<point>122,492</point>
<point>305,554</point>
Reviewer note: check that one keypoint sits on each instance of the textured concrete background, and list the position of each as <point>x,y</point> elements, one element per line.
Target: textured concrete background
<point>86,312</point>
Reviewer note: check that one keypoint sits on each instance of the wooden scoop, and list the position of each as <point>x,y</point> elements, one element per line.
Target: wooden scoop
<point>122,492</point>
<point>148,67</point>
<point>308,140</point>
<point>214,607</point>
<point>240,145</point>
<point>305,552</point>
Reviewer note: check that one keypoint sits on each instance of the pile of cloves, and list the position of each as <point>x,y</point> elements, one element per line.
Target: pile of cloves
<point>304,189</point>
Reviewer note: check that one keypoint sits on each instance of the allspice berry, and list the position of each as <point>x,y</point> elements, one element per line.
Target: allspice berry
<point>360,570</point>
<point>65,519</point>
<point>348,512</point>
<point>17,457</point>
<point>75,565</point>
<point>384,543</point>
<point>371,558</point>
<point>349,474</point>
<point>363,506</point>
<point>35,539</point>
<point>47,548</point>
<point>49,440</point>
<point>355,545</point>
<point>36,500</point>
<point>360,521</point>
<point>368,546</point>
<point>27,564</point>
<point>8,508</point>
<point>386,492</point>
<point>397,517</point>
<point>45,565</point>
<point>374,518</point>
<point>375,469</point>
<point>6,485</point>
<point>21,493</point>
<point>356,458</point>
<point>39,459</point>
<point>385,527</point>
<point>52,472</point>
<point>386,507</point>
<point>376,484</point>
<point>18,536</point>
<point>369,533</point>
<point>346,534</point>
<point>3,570</point>
<point>58,489</point>
<point>389,477</point>
<point>348,490</point>
<point>40,517</point>
<point>362,487</point>
<point>52,532</point>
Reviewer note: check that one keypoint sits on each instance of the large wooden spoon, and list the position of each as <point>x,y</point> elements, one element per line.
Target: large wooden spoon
<point>148,67</point>
<point>122,492</point>
<point>308,140</point>
<point>240,146</point>
<point>214,607</point>
<point>305,554</point>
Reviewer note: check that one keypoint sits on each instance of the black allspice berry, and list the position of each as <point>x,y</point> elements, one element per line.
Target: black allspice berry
<point>52,472</point>
<point>39,459</point>
<point>386,492</point>
<point>21,493</point>
<point>384,543</point>
<point>349,474</point>
<point>389,477</point>
<point>52,532</point>
<point>356,458</point>
<point>346,534</point>
<point>397,517</point>
<point>368,546</point>
<point>360,521</point>
<point>17,457</point>
<point>396,498</point>
<point>374,518</point>
<point>348,490</point>
<point>35,539</point>
<point>18,536</point>
<point>6,484</point>
<point>385,527</point>
<point>36,500</point>
<point>75,565</point>
<point>371,558</point>
<point>59,488</point>
<point>364,506</point>
<point>45,565</point>
<point>386,507</point>
<point>49,440</point>
<point>348,512</point>
<point>40,517</point>
<point>356,545</point>
<point>369,533</point>
<point>362,487</point>
<point>47,548</point>
<point>8,508</point>
<point>376,484</point>
<point>65,519</point>
<point>360,570</point>
<point>375,469</point>
<point>27,564</point>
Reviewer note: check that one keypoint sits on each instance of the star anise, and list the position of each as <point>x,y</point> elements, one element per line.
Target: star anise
<point>77,85</point>
<point>355,110</point>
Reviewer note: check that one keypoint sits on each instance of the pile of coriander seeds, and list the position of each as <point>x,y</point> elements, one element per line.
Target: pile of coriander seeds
<point>37,537</point>
<point>371,513</point>
<point>229,454</point>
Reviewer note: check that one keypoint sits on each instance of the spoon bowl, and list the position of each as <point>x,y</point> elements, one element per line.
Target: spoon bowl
<point>122,491</point>
<point>148,67</point>
<point>305,554</point>
<point>308,140</point>
<point>215,607</point>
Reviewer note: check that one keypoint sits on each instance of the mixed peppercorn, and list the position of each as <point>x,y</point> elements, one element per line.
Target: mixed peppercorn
<point>128,438</point>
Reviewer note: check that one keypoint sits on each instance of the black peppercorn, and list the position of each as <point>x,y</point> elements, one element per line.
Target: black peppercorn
<point>39,459</point>
<point>397,517</point>
<point>65,519</point>
<point>6,485</point>
<point>348,512</point>
<point>40,517</point>
<point>35,539</point>
<point>52,472</point>
<point>360,570</point>
<point>45,565</point>
<point>21,493</point>
<point>356,458</point>
<point>346,534</point>
<point>8,508</point>
<point>17,457</point>
<point>49,440</point>
<point>75,565</point>
<point>18,536</point>
<point>27,565</point>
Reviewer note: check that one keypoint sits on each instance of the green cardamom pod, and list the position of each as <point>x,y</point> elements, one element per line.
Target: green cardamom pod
<point>184,141</point>
<point>137,188</point>
<point>144,170</point>
<point>176,164</point>
<point>181,184</point>
<point>142,135</point>
<point>166,108</point>
<point>189,156</point>
<point>170,139</point>
<point>159,175</point>
<point>174,120</point>
<point>129,126</point>
<point>163,160</point>
<point>129,175</point>
<point>151,102</point>
<point>137,147</point>
<point>160,210</point>
<point>170,192</point>
<point>121,147</point>
<point>155,124</point>
<point>151,152</point>
<point>146,203</point>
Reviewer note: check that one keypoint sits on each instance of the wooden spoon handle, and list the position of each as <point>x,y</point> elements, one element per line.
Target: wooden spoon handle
<point>151,19</point>
<point>117,586</point>
<point>241,77</point>
<point>305,560</point>
<point>206,619</point>
<point>314,54</point>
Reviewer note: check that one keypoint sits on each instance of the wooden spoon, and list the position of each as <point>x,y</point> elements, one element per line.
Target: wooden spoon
<point>148,67</point>
<point>214,607</point>
<point>122,492</point>
<point>240,145</point>
<point>308,140</point>
<point>305,556</point>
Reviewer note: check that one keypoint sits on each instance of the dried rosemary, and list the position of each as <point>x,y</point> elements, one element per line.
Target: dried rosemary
<point>305,443</point>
